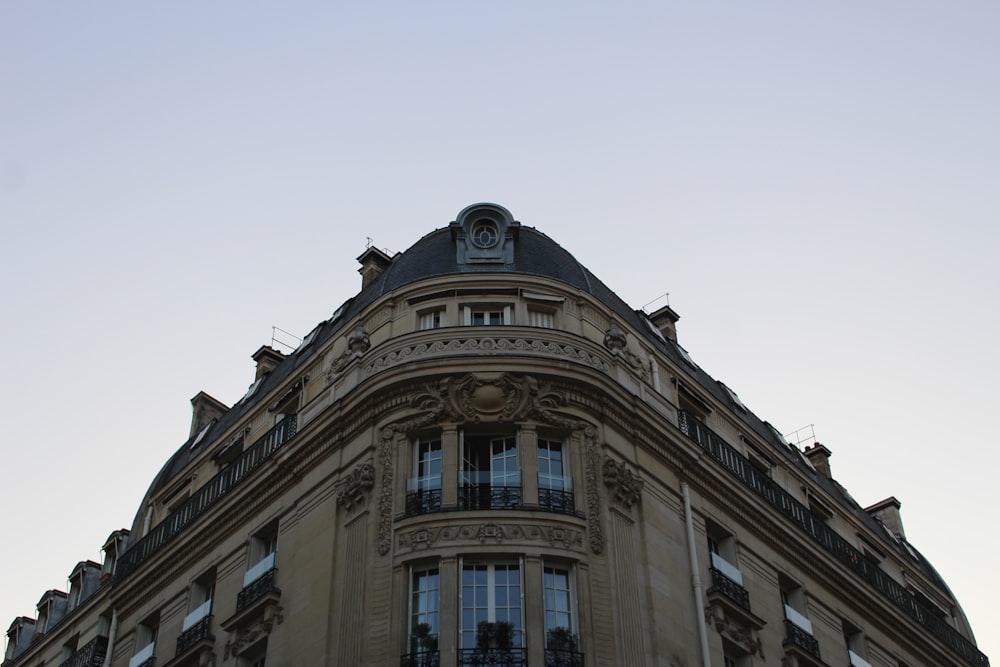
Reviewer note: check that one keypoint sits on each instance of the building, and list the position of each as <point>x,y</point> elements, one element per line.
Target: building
<point>487,458</point>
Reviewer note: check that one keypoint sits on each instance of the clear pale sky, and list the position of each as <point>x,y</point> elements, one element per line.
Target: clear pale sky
<point>816,185</point>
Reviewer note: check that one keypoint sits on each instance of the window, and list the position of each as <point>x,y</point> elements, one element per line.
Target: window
<point>722,550</point>
<point>560,630</point>
<point>263,547</point>
<point>541,318</point>
<point>69,648</point>
<point>425,599</point>
<point>491,627</point>
<point>430,319</point>
<point>200,602</point>
<point>854,639</point>
<point>794,599</point>
<point>145,642</point>
<point>491,477</point>
<point>423,490</point>
<point>733,655</point>
<point>555,487</point>
<point>480,316</point>
<point>253,656</point>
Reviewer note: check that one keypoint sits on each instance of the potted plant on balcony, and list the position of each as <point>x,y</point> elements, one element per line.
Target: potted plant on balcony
<point>495,638</point>
<point>560,647</point>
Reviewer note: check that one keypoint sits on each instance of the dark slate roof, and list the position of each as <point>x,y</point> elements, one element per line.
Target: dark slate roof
<point>535,254</point>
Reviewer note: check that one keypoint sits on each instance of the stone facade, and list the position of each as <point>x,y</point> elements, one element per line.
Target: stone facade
<point>487,458</point>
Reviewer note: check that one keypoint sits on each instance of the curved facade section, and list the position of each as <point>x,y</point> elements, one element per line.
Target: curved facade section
<point>487,458</point>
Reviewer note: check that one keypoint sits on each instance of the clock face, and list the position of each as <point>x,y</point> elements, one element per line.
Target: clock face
<point>485,234</point>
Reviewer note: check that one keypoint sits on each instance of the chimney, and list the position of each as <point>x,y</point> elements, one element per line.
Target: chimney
<point>887,511</point>
<point>665,319</point>
<point>373,263</point>
<point>267,359</point>
<point>819,457</point>
<point>204,409</point>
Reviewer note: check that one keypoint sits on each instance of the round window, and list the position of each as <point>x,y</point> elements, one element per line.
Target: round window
<point>485,234</point>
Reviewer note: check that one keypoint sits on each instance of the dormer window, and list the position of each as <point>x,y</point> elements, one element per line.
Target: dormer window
<point>485,234</point>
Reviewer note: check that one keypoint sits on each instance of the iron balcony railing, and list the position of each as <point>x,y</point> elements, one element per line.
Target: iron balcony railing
<point>491,657</point>
<point>200,631</point>
<point>257,589</point>
<point>729,588</point>
<point>841,549</point>
<point>558,658</point>
<point>799,637</point>
<point>556,500</point>
<point>423,501</point>
<point>91,654</point>
<point>421,659</point>
<point>205,497</point>
<point>489,496</point>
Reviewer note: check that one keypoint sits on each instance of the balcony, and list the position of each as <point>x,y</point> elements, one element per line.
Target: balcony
<point>840,549</point>
<point>423,501</point>
<point>729,589</point>
<point>257,589</point>
<point>199,632</point>
<point>492,657</point>
<point>556,500</point>
<point>558,658</point>
<point>486,497</point>
<point>801,646</point>
<point>205,498</point>
<point>421,659</point>
<point>91,654</point>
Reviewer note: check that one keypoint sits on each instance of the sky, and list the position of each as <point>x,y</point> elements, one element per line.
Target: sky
<point>816,185</point>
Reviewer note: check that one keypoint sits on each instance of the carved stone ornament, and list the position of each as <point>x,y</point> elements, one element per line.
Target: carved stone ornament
<point>350,491</point>
<point>624,484</point>
<point>359,343</point>
<point>490,533</point>
<point>614,339</point>
<point>738,633</point>
<point>245,637</point>
<point>476,398</point>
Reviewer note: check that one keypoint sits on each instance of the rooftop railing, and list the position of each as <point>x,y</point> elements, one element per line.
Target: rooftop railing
<point>205,497</point>
<point>841,549</point>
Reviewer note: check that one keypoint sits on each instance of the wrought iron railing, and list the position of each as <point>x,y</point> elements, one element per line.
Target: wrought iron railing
<point>799,637</point>
<point>488,496</point>
<point>491,657</point>
<point>257,589</point>
<point>557,658</point>
<point>729,588</point>
<point>423,501</point>
<point>841,549</point>
<point>200,631</point>
<point>91,654</point>
<point>556,500</point>
<point>205,497</point>
<point>420,659</point>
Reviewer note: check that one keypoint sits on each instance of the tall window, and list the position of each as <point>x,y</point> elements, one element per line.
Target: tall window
<point>423,491</point>
<point>491,626</point>
<point>491,477</point>
<point>431,319</point>
<point>263,547</point>
<point>200,603</point>
<point>145,642</point>
<point>560,631</point>
<point>722,548</point>
<point>854,638</point>
<point>555,490</point>
<point>425,588</point>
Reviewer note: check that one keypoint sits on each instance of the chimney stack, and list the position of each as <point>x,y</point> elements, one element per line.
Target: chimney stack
<point>373,263</point>
<point>819,457</point>
<point>665,319</point>
<point>267,359</point>
<point>204,409</point>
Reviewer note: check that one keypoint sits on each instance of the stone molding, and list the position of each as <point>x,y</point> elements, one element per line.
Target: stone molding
<point>490,533</point>
<point>244,637</point>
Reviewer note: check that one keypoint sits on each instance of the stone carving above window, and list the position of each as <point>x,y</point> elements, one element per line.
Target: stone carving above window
<point>625,485</point>
<point>490,533</point>
<point>351,490</point>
